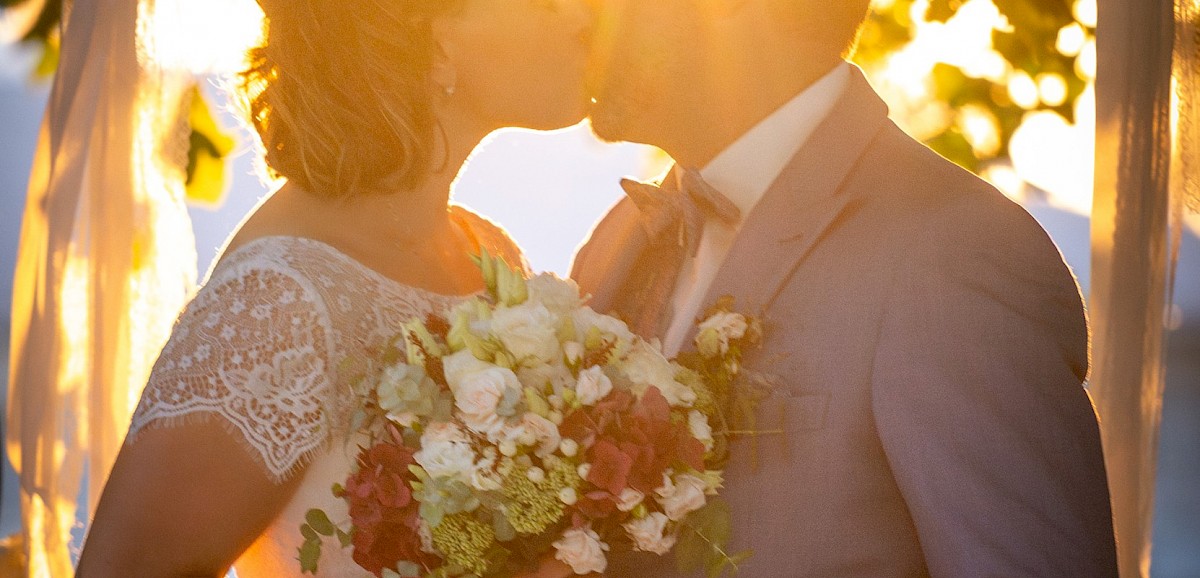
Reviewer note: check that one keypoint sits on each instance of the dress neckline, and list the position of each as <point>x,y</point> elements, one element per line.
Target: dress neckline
<point>386,281</point>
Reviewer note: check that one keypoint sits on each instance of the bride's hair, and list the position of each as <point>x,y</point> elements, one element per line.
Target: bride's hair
<point>339,92</point>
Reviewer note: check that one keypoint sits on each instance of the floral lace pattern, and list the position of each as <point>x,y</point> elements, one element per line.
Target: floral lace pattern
<point>262,343</point>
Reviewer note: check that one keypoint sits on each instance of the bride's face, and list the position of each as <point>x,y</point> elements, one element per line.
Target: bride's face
<point>517,62</point>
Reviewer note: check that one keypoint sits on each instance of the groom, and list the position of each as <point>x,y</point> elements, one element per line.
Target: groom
<point>925,344</point>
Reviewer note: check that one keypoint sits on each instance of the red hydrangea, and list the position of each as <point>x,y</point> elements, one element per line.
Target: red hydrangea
<point>382,508</point>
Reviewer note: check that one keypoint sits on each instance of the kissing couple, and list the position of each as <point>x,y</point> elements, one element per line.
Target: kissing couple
<point>926,345</point>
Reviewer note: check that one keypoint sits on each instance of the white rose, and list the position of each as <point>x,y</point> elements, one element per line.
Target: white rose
<point>527,331</point>
<point>726,326</point>
<point>649,534</point>
<point>554,374</point>
<point>558,295</point>
<point>592,385</point>
<point>446,452</point>
<point>700,428</point>
<point>477,395</point>
<point>544,432</point>
<point>729,325</point>
<point>629,499</point>
<point>682,496</point>
<point>582,550</point>
<point>646,366</point>
<point>484,477</point>
<point>586,318</point>
<point>460,365</point>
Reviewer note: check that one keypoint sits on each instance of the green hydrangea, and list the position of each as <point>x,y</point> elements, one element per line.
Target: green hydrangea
<point>705,402</point>
<point>535,506</point>
<point>464,541</point>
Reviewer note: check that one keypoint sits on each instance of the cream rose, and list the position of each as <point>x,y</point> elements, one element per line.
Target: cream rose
<point>700,428</point>
<point>629,499</point>
<point>592,386</point>
<point>646,366</point>
<point>586,318</point>
<point>649,534</point>
<point>544,433</point>
<point>681,496</point>
<point>527,331</point>
<point>719,330</point>
<point>582,550</point>
<point>446,452</point>
<point>460,365</point>
<point>558,295</point>
<point>477,394</point>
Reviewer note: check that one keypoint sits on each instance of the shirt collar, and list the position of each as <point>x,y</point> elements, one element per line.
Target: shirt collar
<point>745,170</point>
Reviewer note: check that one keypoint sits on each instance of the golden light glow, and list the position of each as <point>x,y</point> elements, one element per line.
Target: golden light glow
<point>981,130</point>
<point>1071,39</point>
<point>204,37</point>
<point>1047,151</point>
<point>1086,12</point>
<point>1052,89</point>
<point>1023,90</point>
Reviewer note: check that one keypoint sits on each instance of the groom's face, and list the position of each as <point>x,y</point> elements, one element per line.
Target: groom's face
<point>648,54</point>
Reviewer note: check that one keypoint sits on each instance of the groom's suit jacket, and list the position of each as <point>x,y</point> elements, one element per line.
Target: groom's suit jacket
<point>928,347</point>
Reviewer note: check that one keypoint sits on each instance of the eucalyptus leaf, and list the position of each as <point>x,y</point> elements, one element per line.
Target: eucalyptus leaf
<point>319,522</point>
<point>310,553</point>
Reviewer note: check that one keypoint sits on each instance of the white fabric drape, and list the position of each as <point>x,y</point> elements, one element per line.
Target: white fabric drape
<point>106,259</point>
<point>1140,182</point>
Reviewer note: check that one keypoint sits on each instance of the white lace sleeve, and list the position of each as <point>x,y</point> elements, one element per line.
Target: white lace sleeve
<point>253,349</point>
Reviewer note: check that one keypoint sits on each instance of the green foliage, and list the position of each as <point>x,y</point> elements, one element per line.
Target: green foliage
<point>703,540</point>
<point>1029,46</point>
<point>209,146</point>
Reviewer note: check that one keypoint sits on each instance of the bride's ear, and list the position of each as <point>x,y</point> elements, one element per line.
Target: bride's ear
<point>442,71</point>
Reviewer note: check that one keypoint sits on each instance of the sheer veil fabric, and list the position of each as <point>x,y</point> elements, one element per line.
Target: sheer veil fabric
<point>1148,94</point>
<point>106,260</point>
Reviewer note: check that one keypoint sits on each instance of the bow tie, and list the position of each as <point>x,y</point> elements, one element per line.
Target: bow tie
<point>663,207</point>
<point>673,217</point>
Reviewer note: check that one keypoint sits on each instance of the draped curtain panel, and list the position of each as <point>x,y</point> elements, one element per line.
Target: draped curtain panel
<point>106,260</point>
<point>1142,175</point>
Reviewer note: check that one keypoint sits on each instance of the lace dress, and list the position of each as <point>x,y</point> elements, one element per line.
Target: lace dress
<point>260,348</point>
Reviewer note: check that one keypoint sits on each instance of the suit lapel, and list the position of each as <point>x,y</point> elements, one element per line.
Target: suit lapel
<point>802,204</point>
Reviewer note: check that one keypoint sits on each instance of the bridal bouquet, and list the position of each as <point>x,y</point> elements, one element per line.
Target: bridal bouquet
<point>522,424</point>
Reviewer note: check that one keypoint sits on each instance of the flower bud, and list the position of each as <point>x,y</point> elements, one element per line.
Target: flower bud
<point>568,496</point>
<point>508,448</point>
<point>572,353</point>
<point>708,343</point>
<point>569,447</point>
<point>583,470</point>
<point>536,475</point>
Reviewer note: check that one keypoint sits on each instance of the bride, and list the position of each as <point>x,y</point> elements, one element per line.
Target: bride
<point>368,109</point>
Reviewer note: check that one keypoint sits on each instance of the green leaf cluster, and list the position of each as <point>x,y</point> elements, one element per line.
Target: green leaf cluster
<point>704,539</point>
<point>317,525</point>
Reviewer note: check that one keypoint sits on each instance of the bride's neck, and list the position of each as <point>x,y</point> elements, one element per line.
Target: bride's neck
<point>420,212</point>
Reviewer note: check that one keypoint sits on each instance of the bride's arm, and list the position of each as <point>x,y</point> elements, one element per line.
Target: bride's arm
<point>218,444</point>
<point>182,501</point>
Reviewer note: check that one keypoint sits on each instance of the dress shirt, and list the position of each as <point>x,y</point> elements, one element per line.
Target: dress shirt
<point>743,172</point>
